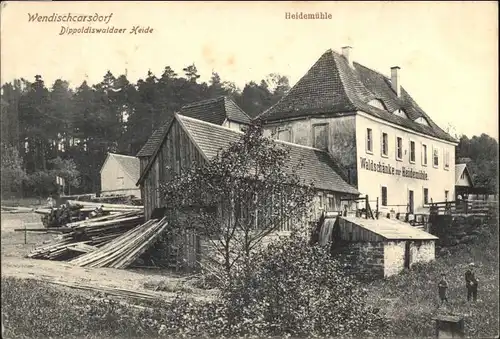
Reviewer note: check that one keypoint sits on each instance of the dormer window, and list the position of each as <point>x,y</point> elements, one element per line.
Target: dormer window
<point>422,121</point>
<point>377,103</point>
<point>401,113</point>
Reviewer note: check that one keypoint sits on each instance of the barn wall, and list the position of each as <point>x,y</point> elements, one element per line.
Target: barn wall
<point>394,257</point>
<point>176,152</point>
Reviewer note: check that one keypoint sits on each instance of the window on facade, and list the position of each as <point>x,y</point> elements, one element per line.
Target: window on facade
<point>446,159</point>
<point>385,144</point>
<point>284,135</point>
<point>424,155</point>
<point>426,195</point>
<point>462,176</point>
<point>369,140</point>
<point>320,136</point>
<point>331,203</point>
<point>321,200</point>
<point>412,151</point>
<point>384,196</point>
<point>435,155</point>
<point>446,195</point>
<point>399,148</point>
<point>243,128</point>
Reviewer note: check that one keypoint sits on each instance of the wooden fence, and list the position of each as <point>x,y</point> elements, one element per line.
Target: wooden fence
<point>462,207</point>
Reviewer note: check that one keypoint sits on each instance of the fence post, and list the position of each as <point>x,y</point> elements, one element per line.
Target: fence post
<point>366,206</point>
<point>25,233</point>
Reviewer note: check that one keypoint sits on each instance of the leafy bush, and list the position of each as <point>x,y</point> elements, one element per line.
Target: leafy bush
<point>296,289</point>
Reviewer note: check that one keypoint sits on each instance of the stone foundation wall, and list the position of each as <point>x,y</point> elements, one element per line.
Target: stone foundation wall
<point>394,257</point>
<point>422,251</point>
<point>363,259</point>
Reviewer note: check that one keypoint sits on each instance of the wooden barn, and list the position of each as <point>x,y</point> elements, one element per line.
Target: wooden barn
<point>190,140</point>
<point>119,175</point>
<point>220,111</point>
<point>381,247</point>
<point>187,140</point>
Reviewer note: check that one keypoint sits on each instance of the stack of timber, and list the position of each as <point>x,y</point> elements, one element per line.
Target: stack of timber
<point>88,235</point>
<point>125,249</point>
<point>8,209</point>
<point>80,210</point>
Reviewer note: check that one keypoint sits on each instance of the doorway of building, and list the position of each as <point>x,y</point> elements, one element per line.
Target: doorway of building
<point>410,202</point>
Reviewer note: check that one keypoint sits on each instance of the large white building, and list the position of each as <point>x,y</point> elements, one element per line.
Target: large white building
<point>388,146</point>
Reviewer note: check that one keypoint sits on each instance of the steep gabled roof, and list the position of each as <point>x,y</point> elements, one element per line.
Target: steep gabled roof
<point>331,86</point>
<point>130,164</point>
<point>150,146</point>
<point>459,169</point>
<point>318,165</point>
<point>215,111</point>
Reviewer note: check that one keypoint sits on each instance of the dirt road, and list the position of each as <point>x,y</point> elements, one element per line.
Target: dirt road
<point>14,264</point>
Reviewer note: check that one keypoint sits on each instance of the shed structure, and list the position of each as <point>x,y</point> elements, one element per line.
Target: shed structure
<point>383,247</point>
<point>119,175</point>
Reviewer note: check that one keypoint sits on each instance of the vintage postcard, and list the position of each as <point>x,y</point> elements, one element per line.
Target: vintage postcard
<point>249,169</point>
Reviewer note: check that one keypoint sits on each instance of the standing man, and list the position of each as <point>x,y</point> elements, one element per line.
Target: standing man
<point>471,283</point>
<point>443,289</point>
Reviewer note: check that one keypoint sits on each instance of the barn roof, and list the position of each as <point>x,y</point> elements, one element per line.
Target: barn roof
<point>331,86</point>
<point>215,111</point>
<point>390,229</point>
<point>318,167</point>
<point>130,164</point>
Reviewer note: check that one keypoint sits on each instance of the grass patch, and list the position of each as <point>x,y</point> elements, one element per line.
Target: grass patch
<point>411,298</point>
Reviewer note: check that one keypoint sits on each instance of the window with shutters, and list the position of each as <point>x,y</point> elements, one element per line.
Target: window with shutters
<point>426,195</point>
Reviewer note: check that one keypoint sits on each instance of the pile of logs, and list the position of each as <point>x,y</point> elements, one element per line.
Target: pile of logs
<point>125,249</point>
<point>114,240</point>
<point>87,235</point>
<point>74,210</point>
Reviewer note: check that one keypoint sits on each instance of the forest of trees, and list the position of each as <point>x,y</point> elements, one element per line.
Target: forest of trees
<point>50,130</point>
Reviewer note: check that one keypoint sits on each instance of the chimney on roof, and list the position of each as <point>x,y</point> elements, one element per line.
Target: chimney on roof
<point>347,53</point>
<point>395,82</point>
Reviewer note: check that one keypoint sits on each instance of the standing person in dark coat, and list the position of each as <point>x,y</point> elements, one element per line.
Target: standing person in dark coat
<point>443,289</point>
<point>471,283</point>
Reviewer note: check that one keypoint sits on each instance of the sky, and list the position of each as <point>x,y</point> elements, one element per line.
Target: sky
<point>447,51</point>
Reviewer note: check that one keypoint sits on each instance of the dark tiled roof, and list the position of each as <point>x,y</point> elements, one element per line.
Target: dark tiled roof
<point>154,140</point>
<point>318,165</point>
<point>331,86</point>
<point>130,164</point>
<point>215,111</point>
